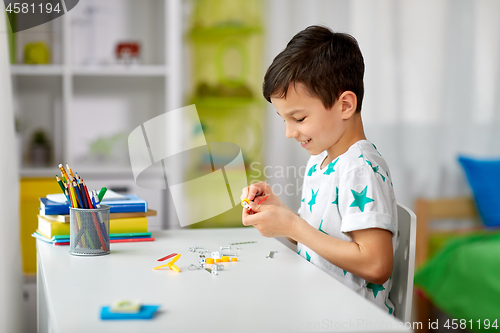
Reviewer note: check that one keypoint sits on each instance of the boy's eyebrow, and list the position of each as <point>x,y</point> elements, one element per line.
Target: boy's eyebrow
<point>291,113</point>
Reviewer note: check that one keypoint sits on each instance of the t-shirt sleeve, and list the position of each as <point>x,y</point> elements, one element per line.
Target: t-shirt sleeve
<point>366,200</point>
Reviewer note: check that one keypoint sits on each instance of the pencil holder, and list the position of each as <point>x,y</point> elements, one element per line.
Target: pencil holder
<point>89,231</point>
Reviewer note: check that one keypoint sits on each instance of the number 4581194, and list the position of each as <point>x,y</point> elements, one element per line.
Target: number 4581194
<point>25,8</point>
<point>463,324</point>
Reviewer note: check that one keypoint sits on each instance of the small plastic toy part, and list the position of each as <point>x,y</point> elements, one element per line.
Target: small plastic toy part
<point>167,257</point>
<point>234,259</point>
<point>225,258</point>
<point>210,261</point>
<point>246,203</point>
<point>216,255</point>
<point>170,264</point>
<point>243,243</point>
<point>218,260</point>
<point>175,259</point>
<point>271,254</point>
<point>175,268</point>
<point>126,306</point>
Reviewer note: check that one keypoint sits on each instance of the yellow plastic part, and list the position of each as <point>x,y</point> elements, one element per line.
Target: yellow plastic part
<point>234,259</point>
<point>175,268</point>
<point>158,267</point>
<point>225,258</point>
<point>170,264</point>
<point>245,200</point>
<point>174,259</point>
<point>210,261</point>
<point>218,260</point>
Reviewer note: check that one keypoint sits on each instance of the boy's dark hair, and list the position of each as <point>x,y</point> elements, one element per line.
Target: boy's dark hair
<point>326,62</point>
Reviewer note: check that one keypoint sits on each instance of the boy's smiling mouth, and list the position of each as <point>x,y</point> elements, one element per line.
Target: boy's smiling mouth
<point>304,143</point>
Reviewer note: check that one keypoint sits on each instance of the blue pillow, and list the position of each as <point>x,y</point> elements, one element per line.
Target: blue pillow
<point>484,179</point>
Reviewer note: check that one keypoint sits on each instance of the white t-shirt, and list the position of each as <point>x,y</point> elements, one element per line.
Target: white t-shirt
<point>353,192</point>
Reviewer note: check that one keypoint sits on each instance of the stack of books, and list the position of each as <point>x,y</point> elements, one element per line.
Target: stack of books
<point>128,220</point>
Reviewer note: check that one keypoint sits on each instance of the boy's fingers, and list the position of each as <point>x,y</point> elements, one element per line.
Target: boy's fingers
<point>256,208</point>
<point>249,219</point>
<point>244,193</point>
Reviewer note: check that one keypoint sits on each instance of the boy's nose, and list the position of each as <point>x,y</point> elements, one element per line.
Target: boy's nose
<point>291,133</point>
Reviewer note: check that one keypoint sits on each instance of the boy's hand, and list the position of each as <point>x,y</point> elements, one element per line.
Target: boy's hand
<point>270,220</point>
<point>258,192</point>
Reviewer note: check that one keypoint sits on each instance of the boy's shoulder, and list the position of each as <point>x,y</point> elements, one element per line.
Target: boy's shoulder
<point>361,154</point>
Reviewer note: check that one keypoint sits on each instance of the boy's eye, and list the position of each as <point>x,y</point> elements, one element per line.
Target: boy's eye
<point>300,120</point>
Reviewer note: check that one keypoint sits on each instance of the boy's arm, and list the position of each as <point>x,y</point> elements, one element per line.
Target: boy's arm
<point>368,256</point>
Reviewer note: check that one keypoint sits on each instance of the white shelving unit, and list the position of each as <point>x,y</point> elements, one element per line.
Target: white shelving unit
<point>87,103</point>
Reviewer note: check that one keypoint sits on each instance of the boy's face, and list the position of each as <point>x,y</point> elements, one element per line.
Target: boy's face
<point>315,127</point>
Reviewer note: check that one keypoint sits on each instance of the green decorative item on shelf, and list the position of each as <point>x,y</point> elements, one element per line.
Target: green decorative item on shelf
<point>236,54</point>
<point>40,138</point>
<point>36,53</point>
<point>40,148</point>
<point>111,149</point>
<point>224,13</point>
<point>221,90</point>
<point>104,146</point>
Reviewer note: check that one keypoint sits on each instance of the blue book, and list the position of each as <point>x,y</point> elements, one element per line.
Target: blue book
<point>132,204</point>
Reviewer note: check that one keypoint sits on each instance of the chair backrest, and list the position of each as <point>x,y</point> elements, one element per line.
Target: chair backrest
<point>404,264</point>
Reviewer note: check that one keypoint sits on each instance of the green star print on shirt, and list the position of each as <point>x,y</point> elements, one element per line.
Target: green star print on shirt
<point>336,202</point>
<point>330,168</point>
<point>313,199</point>
<point>375,288</point>
<point>311,170</point>
<point>320,225</point>
<point>360,199</point>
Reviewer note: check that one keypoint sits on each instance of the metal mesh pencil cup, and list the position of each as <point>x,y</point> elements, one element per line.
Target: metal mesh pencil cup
<point>89,231</point>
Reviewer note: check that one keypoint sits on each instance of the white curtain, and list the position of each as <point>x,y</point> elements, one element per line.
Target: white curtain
<point>11,279</point>
<point>432,83</point>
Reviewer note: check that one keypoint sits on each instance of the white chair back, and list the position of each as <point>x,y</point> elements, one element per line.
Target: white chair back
<point>404,264</point>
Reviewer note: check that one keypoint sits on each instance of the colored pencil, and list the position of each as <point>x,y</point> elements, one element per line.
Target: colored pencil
<point>63,188</point>
<point>63,172</point>
<point>86,191</point>
<point>78,195</point>
<point>70,171</point>
<point>82,194</point>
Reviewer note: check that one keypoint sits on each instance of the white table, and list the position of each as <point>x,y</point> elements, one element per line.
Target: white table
<point>255,294</point>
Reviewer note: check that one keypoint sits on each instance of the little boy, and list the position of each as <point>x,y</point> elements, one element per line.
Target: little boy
<point>347,220</point>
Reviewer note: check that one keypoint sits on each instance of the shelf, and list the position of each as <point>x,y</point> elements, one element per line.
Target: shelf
<point>43,172</point>
<point>115,70</point>
<point>35,70</point>
<point>225,102</point>
<point>121,70</point>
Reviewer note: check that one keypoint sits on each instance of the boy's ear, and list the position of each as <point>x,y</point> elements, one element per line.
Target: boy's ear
<point>349,102</point>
